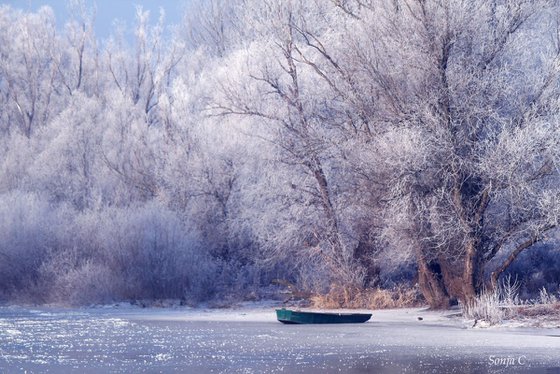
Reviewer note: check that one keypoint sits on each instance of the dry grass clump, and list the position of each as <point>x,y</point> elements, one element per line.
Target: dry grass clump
<point>373,298</point>
<point>540,310</point>
<point>494,306</point>
<point>547,305</point>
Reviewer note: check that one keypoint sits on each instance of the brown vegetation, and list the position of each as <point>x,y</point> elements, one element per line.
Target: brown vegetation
<point>540,310</point>
<point>372,298</point>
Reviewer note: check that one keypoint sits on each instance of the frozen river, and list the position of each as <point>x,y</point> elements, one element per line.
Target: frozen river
<point>251,341</point>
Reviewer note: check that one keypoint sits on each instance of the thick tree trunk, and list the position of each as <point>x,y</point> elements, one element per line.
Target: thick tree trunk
<point>470,274</point>
<point>432,287</point>
<point>363,254</point>
<point>443,282</point>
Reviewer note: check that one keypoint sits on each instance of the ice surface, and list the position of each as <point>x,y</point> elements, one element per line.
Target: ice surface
<point>249,340</point>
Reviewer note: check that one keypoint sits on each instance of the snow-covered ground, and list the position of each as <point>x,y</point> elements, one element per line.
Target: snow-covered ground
<point>248,339</point>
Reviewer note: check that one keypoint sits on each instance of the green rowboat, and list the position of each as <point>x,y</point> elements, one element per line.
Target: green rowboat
<point>299,317</point>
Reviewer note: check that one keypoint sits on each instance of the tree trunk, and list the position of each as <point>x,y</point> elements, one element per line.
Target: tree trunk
<point>326,201</point>
<point>470,275</point>
<point>430,280</point>
<point>442,282</point>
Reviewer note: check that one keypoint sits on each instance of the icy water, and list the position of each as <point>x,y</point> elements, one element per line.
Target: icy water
<point>113,341</point>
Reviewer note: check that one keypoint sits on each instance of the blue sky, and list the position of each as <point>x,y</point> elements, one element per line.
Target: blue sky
<point>109,10</point>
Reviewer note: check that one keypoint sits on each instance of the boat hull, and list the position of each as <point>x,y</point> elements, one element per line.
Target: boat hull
<point>298,317</point>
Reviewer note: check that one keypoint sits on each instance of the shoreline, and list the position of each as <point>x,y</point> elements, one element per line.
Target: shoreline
<point>264,311</point>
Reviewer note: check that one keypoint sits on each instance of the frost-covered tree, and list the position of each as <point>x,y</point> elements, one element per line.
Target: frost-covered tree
<point>29,77</point>
<point>213,25</point>
<point>280,87</point>
<point>142,72</point>
<point>77,58</point>
<point>470,154</point>
<point>70,168</point>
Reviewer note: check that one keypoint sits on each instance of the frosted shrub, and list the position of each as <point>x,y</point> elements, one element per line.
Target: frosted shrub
<point>487,307</point>
<point>142,252</point>
<point>154,253</point>
<point>495,305</point>
<point>90,283</point>
<point>29,225</point>
<point>510,291</point>
<point>547,298</point>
